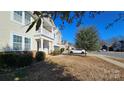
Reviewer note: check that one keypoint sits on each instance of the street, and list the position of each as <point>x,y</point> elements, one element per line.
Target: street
<point>111,54</point>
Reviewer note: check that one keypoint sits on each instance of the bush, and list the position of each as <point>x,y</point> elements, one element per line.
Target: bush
<point>9,59</point>
<point>56,52</point>
<point>62,50</point>
<point>40,56</point>
<point>16,60</point>
<point>24,60</point>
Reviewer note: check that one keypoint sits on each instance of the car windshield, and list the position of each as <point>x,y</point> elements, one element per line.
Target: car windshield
<point>78,49</point>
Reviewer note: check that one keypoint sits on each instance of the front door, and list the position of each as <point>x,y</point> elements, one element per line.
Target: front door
<point>46,46</point>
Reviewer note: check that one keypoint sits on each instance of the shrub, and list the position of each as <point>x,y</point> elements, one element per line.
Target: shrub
<point>56,52</point>
<point>9,59</point>
<point>62,50</point>
<point>2,65</point>
<point>24,60</point>
<point>16,60</point>
<point>40,56</point>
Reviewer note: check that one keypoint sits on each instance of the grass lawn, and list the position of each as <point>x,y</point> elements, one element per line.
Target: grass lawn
<point>89,68</point>
<point>67,68</point>
<point>41,71</point>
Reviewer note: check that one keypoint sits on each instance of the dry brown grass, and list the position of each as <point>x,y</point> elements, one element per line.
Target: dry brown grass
<point>89,68</point>
<point>69,67</point>
<point>41,71</point>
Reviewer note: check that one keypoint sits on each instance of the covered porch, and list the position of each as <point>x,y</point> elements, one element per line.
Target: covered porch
<point>44,45</point>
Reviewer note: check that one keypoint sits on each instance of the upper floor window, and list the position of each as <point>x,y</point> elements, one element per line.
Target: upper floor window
<point>27,44</point>
<point>54,35</point>
<point>27,18</point>
<point>18,16</point>
<point>17,42</point>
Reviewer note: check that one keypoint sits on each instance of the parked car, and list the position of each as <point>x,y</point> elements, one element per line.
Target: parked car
<point>102,50</point>
<point>78,51</point>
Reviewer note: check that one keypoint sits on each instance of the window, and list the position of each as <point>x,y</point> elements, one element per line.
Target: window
<point>18,16</point>
<point>54,35</point>
<point>27,44</point>
<point>27,18</point>
<point>17,42</point>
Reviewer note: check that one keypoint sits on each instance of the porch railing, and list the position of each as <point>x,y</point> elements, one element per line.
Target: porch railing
<point>46,33</point>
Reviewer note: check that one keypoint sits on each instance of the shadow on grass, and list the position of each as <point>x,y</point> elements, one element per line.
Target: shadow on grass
<point>40,71</point>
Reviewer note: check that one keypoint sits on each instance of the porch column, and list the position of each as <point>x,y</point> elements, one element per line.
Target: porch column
<point>41,44</point>
<point>50,46</point>
<point>52,35</point>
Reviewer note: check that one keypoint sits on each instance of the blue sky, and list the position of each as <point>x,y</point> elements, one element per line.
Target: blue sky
<point>68,33</point>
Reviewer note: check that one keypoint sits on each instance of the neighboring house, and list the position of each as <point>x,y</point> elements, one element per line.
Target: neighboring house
<point>118,46</point>
<point>71,47</point>
<point>66,45</point>
<point>57,39</point>
<point>13,25</point>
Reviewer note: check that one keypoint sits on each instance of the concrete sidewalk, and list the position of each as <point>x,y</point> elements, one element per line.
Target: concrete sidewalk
<point>103,57</point>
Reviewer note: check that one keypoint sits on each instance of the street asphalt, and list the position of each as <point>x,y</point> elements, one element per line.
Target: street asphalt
<point>111,54</point>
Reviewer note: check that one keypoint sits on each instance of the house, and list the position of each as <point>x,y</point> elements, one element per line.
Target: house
<point>66,45</point>
<point>13,25</point>
<point>118,46</point>
<point>57,39</point>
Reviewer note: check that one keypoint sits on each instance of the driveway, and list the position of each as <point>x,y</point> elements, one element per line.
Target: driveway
<point>89,67</point>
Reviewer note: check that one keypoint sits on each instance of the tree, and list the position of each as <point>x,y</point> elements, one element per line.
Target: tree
<point>65,16</point>
<point>119,18</point>
<point>87,38</point>
<point>117,43</point>
<point>70,17</point>
<point>114,39</point>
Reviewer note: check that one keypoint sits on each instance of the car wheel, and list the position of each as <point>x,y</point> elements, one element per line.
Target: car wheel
<point>82,53</point>
<point>71,52</point>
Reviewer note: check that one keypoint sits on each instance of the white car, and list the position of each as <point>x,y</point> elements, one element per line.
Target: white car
<point>78,51</point>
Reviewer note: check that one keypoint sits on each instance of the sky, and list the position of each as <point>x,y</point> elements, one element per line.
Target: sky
<point>100,21</point>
